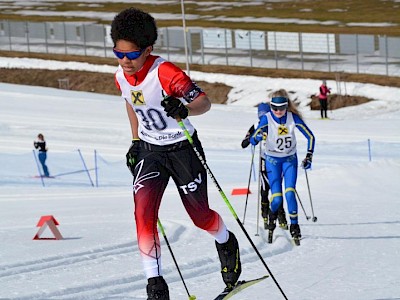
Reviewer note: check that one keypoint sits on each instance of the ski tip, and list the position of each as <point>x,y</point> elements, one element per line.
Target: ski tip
<point>239,286</point>
<point>241,282</point>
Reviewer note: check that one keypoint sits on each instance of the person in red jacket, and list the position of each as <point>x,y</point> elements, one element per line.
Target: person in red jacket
<point>157,93</point>
<point>323,99</point>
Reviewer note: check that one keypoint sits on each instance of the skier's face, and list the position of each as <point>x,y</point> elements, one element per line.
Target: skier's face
<point>130,57</point>
<point>278,111</point>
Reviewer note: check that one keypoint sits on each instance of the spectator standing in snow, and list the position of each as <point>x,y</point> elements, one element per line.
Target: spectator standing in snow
<point>156,93</point>
<point>40,144</point>
<point>323,99</point>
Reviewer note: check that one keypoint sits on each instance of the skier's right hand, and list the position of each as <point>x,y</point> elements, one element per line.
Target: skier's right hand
<point>131,156</point>
<point>254,139</point>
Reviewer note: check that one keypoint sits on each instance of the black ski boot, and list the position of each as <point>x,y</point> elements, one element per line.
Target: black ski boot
<point>265,223</point>
<point>230,260</point>
<point>265,211</point>
<point>296,234</point>
<point>271,226</point>
<point>157,289</point>
<point>282,219</point>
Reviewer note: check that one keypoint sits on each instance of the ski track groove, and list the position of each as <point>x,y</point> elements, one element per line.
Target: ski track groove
<point>56,261</point>
<point>119,287</point>
<point>202,266</point>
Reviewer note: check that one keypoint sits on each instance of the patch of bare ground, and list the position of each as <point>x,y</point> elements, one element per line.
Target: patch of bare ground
<point>338,101</point>
<point>101,83</point>
<point>218,92</point>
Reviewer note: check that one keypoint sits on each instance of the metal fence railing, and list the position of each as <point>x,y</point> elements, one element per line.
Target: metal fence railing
<point>350,53</point>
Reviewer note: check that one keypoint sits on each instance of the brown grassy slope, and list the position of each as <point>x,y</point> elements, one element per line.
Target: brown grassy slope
<point>340,12</point>
<point>338,101</point>
<point>90,81</point>
<point>104,83</point>
<point>263,72</point>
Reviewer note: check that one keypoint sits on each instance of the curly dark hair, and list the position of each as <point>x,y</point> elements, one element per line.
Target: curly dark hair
<point>136,26</point>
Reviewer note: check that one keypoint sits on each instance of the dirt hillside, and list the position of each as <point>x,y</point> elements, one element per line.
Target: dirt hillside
<point>89,81</point>
<point>104,83</point>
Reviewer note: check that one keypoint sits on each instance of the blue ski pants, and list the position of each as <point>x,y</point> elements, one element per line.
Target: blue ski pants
<point>42,158</point>
<point>279,168</point>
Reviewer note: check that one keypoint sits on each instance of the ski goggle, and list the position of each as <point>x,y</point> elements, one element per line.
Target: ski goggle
<point>279,103</point>
<point>130,55</point>
<point>280,108</point>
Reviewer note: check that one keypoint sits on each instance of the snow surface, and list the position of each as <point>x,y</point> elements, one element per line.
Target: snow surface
<point>351,252</point>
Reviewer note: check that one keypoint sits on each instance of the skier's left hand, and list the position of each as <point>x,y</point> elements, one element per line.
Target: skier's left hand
<point>306,164</point>
<point>174,108</point>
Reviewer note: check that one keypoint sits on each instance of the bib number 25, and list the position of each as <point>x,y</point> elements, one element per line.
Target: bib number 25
<point>284,143</point>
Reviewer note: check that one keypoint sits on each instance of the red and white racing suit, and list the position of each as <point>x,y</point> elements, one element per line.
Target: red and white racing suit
<point>165,152</point>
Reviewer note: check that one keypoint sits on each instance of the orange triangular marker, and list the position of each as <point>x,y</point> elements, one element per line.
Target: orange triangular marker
<point>51,222</point>
<point>242,191</point>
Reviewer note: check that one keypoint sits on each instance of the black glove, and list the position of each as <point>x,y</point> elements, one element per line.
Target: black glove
<point>306,164</point>
<point>174,107</point>
<point>131,156</point>
<point>246,140</point>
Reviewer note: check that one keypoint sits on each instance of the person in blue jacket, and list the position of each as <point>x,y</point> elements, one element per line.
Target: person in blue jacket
<point>263,108</point>
<point>281,155</point>
<point>40,144</point>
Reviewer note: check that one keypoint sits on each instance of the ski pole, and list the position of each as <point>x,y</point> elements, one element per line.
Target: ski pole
<point>203,162</point>
<point>314,218</point>
<point>248,184</point>
<point>259,189</point>
<point>37,164</point>
<point>191,297</point>
<point>301,204</point>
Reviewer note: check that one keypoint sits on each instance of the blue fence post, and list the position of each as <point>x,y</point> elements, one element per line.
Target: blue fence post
<point>37,164</point>
<point>369,150</point>
<point>84,165</point>
<point>95,168</point>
